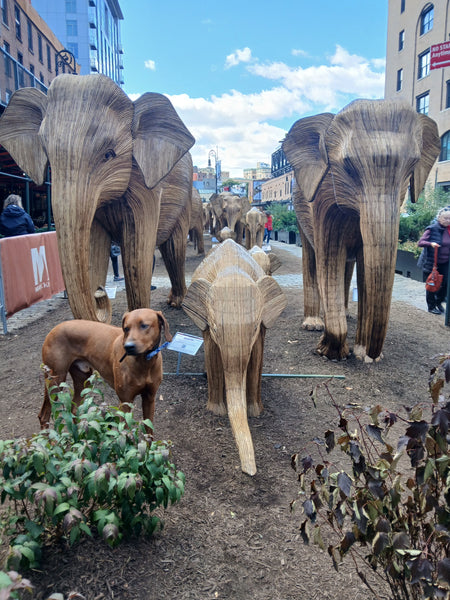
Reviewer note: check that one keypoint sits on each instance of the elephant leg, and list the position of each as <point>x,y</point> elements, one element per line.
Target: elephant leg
<point>215,376</point>
<point>254,373</point>
<point>173,252</point>
<point>98,259</point>
<point>312,320</point>
<point>331,255</point>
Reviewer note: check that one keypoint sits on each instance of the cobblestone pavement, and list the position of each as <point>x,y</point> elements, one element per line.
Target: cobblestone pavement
<point>405,290</point>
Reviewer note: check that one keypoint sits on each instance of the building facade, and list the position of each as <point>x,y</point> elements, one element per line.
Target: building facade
<point>278,189</point>
<point>90,29</point>
<point>262,171</point>
<point>30,51</point>
<point>414,27</point>
<point>30,56</point>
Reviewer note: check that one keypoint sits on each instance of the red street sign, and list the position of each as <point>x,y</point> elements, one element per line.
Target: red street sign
<point>440,55</point>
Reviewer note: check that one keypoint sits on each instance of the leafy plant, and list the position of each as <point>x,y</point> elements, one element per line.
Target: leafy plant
<point>95,471</point>
<point>419,215</point>
<point>282,218</point>
<point>11,583</point>
<point>393,517</point>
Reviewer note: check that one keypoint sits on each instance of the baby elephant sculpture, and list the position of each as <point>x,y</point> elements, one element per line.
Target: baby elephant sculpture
<point>233,301</point>
<point>352,171</point>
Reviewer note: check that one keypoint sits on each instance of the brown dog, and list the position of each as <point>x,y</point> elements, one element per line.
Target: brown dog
<point>128,359</point>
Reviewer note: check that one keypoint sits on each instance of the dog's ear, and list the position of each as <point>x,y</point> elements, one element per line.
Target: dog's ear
<point>165,325</point>
<point>124,317</point>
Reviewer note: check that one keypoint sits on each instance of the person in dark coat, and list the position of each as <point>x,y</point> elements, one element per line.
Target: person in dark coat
<point>14,220</point>
<point>437,235</point>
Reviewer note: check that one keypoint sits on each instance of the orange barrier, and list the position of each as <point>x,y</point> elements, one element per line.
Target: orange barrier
<point>30,270</point>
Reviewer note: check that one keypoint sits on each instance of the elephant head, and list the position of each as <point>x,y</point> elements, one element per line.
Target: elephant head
<point>234,209</point>
<point>106,155</point>
<point>232,301</point>
<point>352,171</point>
<point>255,220</point>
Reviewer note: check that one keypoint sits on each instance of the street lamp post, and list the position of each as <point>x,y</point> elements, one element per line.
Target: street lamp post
<point>213,153</point>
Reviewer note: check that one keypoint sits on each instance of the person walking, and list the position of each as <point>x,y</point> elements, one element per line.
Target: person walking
<point>114,254</point>
<point>14,220</point>
<point>268,228</point>
<point>437,235</point>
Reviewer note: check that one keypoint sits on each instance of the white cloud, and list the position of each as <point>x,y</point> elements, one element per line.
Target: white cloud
<point>150,64</point>
<point>298,52</point>
<point>238,56</point>
<point>247,128</point>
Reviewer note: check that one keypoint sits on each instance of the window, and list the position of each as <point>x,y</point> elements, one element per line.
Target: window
<point>402,6</point>
<point>424,64</point>
<point>73,47</point>
<point>401,40</point>
<point>423,103</point>
<point>41,57</point>
<point>447,96</point>
<point>17,21</point>
<point>30,35</point>
<point>5,11</point>
<point>445,147</point>
<point>71,6</point>
<point>20,70</point>
<point>32,77</point>
<point>7,48</point>
<point>49,58</point>
<point>41,77</point>
<point>399,79</point>
<point>71,27</point>
<point>426,19</point>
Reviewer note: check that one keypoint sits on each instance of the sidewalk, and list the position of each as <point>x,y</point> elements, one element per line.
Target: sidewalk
<point>405,290</point>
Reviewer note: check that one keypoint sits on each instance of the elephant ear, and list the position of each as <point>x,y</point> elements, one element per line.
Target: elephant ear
<point>304,148</point>
<point>194,303</point>
<point>19,131</point>
<point>160,137</point>
<point>431,146</point>
<point>274,300</point>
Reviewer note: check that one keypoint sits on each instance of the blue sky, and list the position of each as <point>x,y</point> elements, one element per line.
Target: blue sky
<point>240,73</point>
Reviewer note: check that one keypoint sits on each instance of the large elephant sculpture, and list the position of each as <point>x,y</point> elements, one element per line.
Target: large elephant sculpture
<point>255,220</point>
<point>120,171</point>
<point>233,301</point>
<point>352,172</point>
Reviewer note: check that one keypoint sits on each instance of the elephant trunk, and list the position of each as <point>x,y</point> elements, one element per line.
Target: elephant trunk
<point>379,230</point>
<point>83,247</point>
<point>237,412</point>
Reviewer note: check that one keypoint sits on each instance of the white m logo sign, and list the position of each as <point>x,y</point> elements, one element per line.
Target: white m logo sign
<point>39,261</point>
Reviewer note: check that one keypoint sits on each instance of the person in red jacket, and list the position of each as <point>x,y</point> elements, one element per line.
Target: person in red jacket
<point>268,228</point>
<point>14,220</point>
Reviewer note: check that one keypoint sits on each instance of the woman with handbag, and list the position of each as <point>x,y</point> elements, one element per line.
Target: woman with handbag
<point>437,235</point>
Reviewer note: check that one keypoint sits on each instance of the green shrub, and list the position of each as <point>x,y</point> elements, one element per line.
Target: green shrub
<point>10,583</point>
<point>393,517</point>
<point>282,218</point>
<point>419,215</point>
<point>96,471</point>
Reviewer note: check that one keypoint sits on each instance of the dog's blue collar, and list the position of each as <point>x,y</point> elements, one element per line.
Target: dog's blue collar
<point>156,350</point>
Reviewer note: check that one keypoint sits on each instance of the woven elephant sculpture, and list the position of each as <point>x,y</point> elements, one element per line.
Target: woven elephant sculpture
<point>233,301</point>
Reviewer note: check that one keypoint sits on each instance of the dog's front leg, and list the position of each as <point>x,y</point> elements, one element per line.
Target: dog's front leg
<point>148,396</point>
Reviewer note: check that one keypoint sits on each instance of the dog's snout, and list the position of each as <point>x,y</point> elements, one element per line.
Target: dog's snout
<point>130,348</point>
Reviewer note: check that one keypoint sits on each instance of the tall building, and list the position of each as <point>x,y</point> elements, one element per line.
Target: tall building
<point>415,73</point>
<point>30,56</point>
<point>90,29</point>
